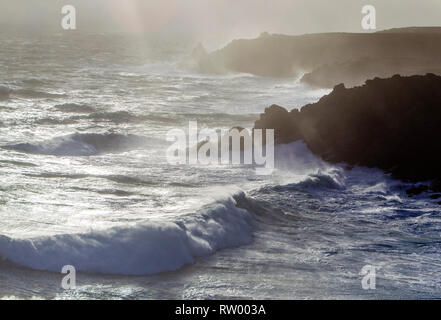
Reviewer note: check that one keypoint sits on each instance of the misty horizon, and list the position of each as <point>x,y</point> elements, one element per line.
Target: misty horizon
<point>246,150</point>
<point>216,22</point>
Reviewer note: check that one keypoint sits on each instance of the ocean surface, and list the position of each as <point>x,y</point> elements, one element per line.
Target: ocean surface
<point>84,181</point>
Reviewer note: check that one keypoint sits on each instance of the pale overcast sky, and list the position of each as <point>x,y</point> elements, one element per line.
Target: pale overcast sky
<point>218,19</point>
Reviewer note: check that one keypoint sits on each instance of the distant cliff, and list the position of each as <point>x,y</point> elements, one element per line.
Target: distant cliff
<point>330,58</point>
<point>392,124</point>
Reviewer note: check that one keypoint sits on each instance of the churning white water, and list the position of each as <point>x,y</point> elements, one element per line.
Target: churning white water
<point>84,181</point>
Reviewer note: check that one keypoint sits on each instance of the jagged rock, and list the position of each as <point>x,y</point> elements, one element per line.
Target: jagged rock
<point>392,124</point>
<point>280,118</point>
<point>354,73</point>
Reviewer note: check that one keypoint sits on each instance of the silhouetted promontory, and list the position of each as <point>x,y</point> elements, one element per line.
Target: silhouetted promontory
<point>392,124</point>
<point>327,59</point>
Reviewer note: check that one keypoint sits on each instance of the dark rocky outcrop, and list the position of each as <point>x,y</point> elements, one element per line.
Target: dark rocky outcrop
<point>356,72</point>
<point>392,124</point>
<point>328,59</point>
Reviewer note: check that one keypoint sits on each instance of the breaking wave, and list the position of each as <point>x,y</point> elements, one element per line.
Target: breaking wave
<point>317,181</point>
<point>149,248</point>
<point>29,93</point>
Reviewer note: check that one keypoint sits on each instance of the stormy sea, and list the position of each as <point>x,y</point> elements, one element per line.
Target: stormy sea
<point>84,181</point>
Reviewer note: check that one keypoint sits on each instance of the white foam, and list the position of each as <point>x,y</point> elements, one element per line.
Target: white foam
<point>148,248</point>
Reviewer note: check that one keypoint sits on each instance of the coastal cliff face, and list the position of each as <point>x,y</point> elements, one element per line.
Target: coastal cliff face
<point>392,124</point>
<point>353,73</point>
<point>328,59</point>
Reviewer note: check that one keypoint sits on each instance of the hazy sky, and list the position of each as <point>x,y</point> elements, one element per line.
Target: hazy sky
<point>217,20</point>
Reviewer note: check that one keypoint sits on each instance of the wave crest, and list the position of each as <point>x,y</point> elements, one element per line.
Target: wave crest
<point>149,248</point>
<point>35,94</point>
<point>81,144</point>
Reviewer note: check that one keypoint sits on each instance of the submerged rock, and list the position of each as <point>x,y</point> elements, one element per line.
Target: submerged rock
<point>392,124</point>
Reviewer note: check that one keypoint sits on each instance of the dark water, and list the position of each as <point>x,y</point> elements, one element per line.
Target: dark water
<point>84,181</point>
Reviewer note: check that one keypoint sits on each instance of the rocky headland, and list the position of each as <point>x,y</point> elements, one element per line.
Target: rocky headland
<point>392,124</point>
<point>327,59</point>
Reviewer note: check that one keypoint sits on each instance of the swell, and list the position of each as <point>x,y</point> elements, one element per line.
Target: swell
<point>35,94</point>
<point>77,144</point>
<point>4,92</point>
<point>74,108</point>
<point>148,248</point>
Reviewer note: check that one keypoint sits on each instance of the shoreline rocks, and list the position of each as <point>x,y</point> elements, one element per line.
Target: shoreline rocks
<point>392,124</point>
